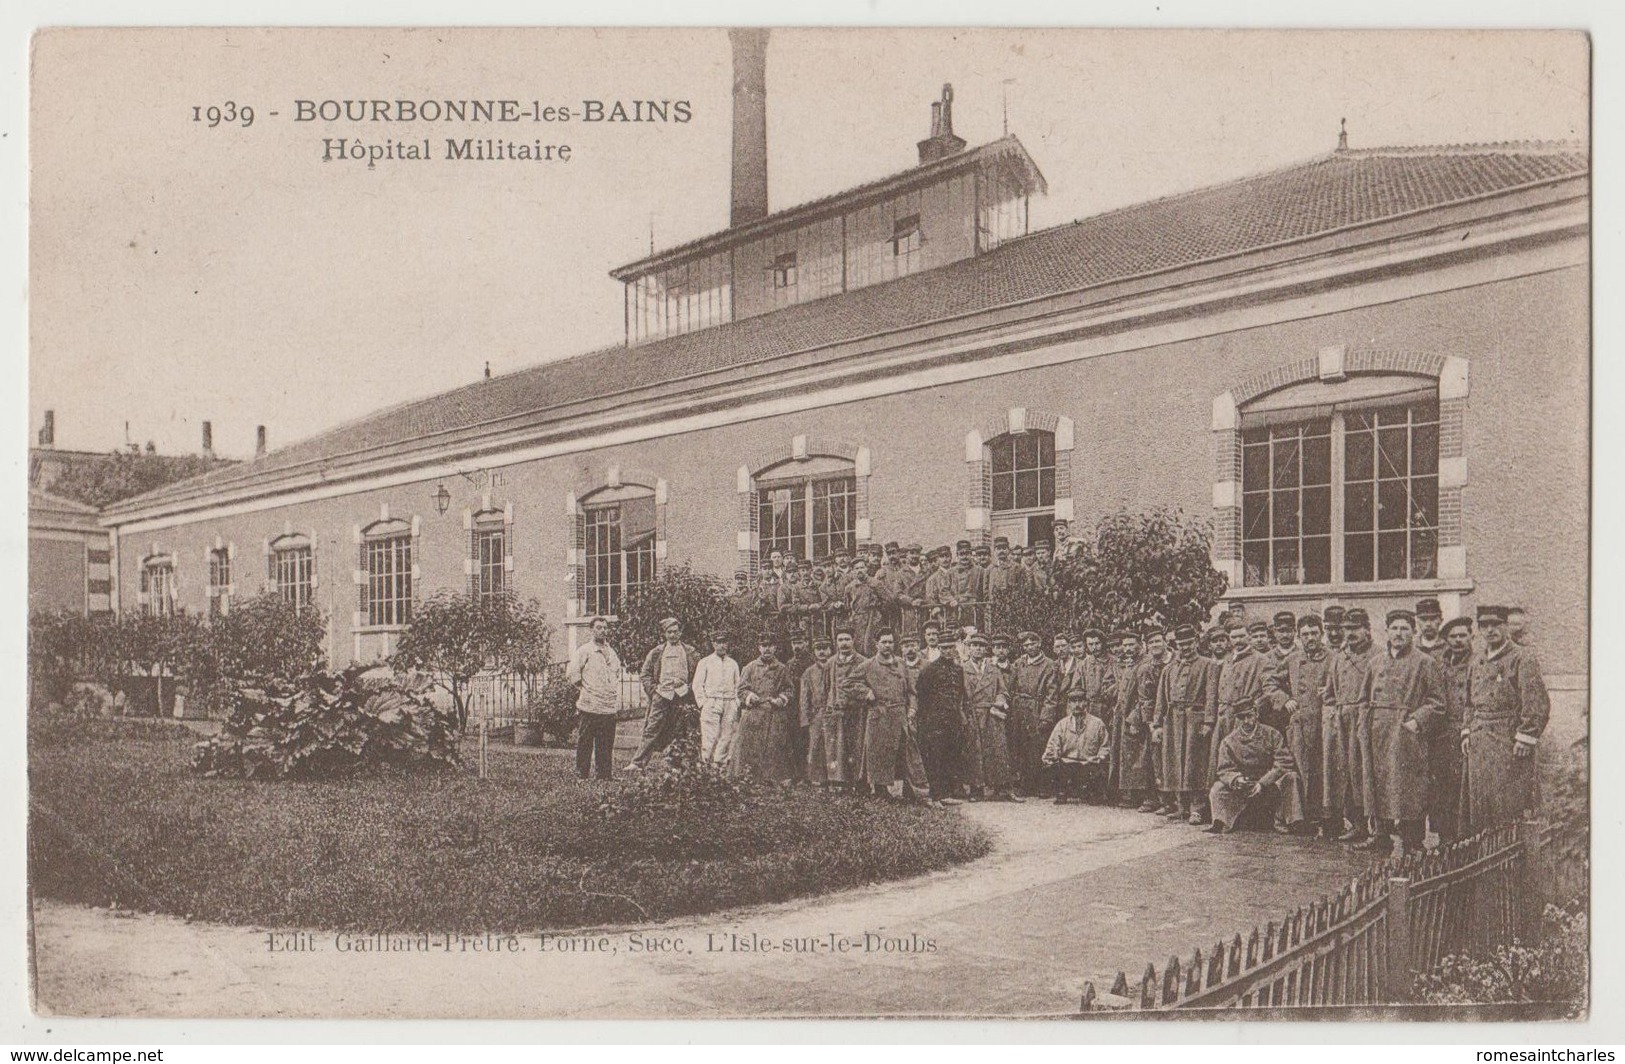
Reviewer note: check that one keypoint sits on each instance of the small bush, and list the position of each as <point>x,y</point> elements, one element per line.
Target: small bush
<point>328,725</point>
<point>1553,970</point>
<point>553,707</point>
<point>691,789</point>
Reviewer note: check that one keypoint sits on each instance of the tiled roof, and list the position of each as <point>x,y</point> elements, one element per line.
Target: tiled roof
<point>1334,192</point>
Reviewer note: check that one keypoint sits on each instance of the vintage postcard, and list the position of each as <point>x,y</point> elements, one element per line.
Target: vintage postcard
<point>719,523</point>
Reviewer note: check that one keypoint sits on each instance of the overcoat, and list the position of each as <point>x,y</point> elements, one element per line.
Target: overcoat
<point>763,747</point>
<point>1129,745</point>
<point>1186,695</point>
<point>1139,711</point>
<point>889,753</point>
<point>1262,757</point>
<point>985,687</point>
<point>1034,709</point>
<point>1241,675</point>
<point>1301,678</point>
<point>1402,689</point>
<point>1344,736</point>
<point>939,723</point>
<point>1507,706</point>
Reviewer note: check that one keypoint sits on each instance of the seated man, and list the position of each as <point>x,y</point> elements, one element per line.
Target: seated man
<point>1256,774</point>
<point>1075,757</point>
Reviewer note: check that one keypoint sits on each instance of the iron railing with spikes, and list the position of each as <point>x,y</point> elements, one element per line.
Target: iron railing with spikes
<point>1364,945</point>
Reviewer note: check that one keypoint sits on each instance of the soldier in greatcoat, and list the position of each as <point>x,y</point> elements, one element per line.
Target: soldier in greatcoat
<point>1455,658</point>
<point>906,588</point>
<point>1507,710</point>
<point>838,739</point>
<point>763,746</point>
<point>1141,712</point>
<point>811,704</point>
<point>1332,617</point>
<point>866,603</point>
<point>1242,676</point>
<point>1429,627</point>
<point>1183,721</point>
<point>988,692</point>
<point>1296,688</point>
<point>1255,766</point>
<point>889,753</point>
<point>939,723</point>
<point>1404,690</point>
<point>1131,743</point>
<point>1344,730</point>
<point>1034,709</point>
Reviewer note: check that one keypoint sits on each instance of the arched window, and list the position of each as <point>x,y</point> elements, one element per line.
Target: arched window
<point>1022,466</point>
<point>1340,482</point>
<point>807,508</point>
<point>386,568</point>
<point>619,545</point>
<point>292,569</point>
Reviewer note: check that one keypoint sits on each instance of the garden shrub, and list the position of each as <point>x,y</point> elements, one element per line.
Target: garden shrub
<point>456,636</point>
<point>553,707</point>
<point>328,724</point>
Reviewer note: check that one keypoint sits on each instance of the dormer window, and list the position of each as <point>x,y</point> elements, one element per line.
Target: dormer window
<point>784,270</point>
<point>906,238</point>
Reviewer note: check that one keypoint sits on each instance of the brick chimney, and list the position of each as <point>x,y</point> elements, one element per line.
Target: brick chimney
<point>749,200</point>
<point>942,142</point>
<point>259,441</point>
<point>208,440</point>
<point>47,432</point>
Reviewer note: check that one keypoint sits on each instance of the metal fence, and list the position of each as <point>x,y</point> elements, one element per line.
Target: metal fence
<point>506,698</point>
<point>1365,945</point>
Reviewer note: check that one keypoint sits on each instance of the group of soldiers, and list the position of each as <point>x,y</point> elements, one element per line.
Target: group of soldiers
<point>1307,722</point>
<point>898,586</point>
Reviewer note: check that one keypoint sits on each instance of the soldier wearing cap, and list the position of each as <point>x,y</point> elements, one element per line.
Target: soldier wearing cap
<point>812,700</point>
<point>1129,744</point>
<point>1042,571</point>
<point>1186,703</point>
<point>1242,675</point>
<point>667,676</point>
<point>987,691</point>
<point>1429,618</point>
<point>1296,687</point>
<point>1034,709</point>
<point>1445,814</point>
<point>742,583</point>
<point>1255,771</point>
<point>866,602</point>
<point>1507,710</point>
<point>968,585</point>
<point>1003,574</point>
<point>835,742</point>
<point>1332,618</point>
<point>1518,626</point>
<point>940,718</point>
<point>1286,634</point>
<point>1145,773</point>
<point>1404,690</point>
<point>1076,754</point>
<point>716,689</point>
<point>906,587</point>
<point>889,753</point>
<point>1345,731</point>
<point>763,745</point>
<point>940,603</point>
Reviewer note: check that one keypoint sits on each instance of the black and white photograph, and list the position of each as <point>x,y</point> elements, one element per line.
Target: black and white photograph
<point>775,523</point>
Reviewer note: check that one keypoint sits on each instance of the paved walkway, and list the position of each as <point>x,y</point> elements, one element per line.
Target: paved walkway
<point>1014,934</point>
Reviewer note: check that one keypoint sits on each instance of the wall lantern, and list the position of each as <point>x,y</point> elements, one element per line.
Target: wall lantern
<point>442,498</point>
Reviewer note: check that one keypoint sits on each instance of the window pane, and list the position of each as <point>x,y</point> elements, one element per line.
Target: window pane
<point>1046,487</point>
<point>1287,467</point>
<point>1392,504</point>
<point>1255,509</point>
<point>1425,450</point>
<point>1357,557</point>
<point>1357,464</point>
<point>1357,507</point>
<point>1391,559</point>
<point>1255,563</point>
<point>1424,502</point>
<point>1286,514</point>
<point>1424,554</point>
<point>1003,452</point>
<point>1004,492</point>
<point>1255,467</point>
<point>1317,560</point>
<point>1317,460</point>
<point>1286,562</point>
<point>1026,489</point>
<point>1317,511</point>
<point>1027,451</point>
<point>1392,457</point>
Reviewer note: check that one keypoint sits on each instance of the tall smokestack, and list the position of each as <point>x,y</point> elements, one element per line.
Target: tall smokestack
<point>259,441</point>
<point>47,432</point>
<point>208,440</point>
<point>750,125</point>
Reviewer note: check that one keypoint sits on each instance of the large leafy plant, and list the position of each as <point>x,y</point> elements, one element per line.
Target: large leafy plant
<point>328,724</point>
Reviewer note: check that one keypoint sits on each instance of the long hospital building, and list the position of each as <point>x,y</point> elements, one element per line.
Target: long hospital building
<point>1370,370</point>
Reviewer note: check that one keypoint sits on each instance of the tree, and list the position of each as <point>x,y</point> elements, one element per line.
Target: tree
<point>455,636</point>
<point>702,603</point>
<point>1137,568</point>
<point>106,479</point>
<point>258,641</point>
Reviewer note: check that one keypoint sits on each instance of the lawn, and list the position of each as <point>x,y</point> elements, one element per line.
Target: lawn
<point>121,820</point>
